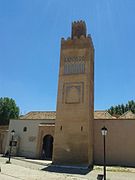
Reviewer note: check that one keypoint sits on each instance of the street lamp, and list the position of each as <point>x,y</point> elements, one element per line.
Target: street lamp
<point>104,133</point>
<point>11,144</point>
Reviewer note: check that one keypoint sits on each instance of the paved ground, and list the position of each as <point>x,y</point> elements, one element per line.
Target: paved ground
<point>27,169</point>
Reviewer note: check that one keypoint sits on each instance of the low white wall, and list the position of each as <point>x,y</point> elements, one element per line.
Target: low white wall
<point>27,140</point>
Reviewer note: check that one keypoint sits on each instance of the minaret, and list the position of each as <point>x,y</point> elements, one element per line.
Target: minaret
<point>73,140</point>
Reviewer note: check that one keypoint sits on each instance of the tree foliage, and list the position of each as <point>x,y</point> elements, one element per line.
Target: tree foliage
<point>120,109</point>
<point>8,110</point>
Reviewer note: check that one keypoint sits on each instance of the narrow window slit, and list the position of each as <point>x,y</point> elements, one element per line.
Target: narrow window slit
<point>81,128</point>
<point>61,128</point>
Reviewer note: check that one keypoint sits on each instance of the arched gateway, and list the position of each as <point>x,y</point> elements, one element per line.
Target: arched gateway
<point>47,147</point>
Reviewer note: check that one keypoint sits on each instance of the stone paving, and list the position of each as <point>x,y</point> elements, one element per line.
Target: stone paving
<point>28,169</point>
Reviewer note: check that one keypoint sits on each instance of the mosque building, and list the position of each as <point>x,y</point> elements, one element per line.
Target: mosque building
<point>72,135</point>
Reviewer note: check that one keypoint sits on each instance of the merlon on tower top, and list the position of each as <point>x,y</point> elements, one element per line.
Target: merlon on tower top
<point>79,36</point>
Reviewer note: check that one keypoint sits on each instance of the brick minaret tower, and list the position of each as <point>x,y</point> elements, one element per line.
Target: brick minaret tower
<point>73,141</point>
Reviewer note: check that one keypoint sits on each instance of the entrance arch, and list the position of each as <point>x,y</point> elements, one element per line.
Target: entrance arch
<point>47,147</point>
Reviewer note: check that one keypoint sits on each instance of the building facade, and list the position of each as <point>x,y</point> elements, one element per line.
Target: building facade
<point>72,134</point>
<point>33,128</point>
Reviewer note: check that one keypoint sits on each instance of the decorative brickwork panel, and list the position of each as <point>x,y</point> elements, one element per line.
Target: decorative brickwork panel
<point>74,65</point>
<point>73,93</point>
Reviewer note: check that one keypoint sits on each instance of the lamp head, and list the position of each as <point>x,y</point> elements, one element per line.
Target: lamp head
<point>104,131</point>
<point>13,132</point>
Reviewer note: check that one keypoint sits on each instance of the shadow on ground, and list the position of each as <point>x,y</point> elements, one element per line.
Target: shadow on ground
<point>68,170</point>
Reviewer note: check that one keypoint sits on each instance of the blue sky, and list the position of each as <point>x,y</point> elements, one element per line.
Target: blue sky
<point>30,34</point>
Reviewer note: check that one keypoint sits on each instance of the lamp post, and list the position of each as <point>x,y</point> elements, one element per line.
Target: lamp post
<point>10,144</point>
<point>104,133</point>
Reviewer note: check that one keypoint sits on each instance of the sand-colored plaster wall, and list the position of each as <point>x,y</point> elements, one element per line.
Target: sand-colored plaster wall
<point>27,140</point>
<point>3,138</point>
<point>120,143</point>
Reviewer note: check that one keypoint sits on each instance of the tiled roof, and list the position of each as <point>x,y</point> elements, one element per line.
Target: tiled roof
<point>127,115</point>
<point>103,115</point>
<point>52,115</point>
<point>40,115</point>
<point>97,115</point>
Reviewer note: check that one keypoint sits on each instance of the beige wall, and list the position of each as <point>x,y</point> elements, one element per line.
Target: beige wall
<point>3,138</point>
<point>27,140</point>
<point>120,142</point>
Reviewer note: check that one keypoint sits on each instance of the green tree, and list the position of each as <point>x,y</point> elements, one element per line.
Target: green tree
<point>8,110</point>
<point>120,109</point>
<point>116,110</point>
<point>111,110</point>
<point>126,108</point>
<point>123,108</point>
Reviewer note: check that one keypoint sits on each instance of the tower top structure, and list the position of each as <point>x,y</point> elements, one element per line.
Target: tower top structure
<point>78,29</point>
<point>79,37</point>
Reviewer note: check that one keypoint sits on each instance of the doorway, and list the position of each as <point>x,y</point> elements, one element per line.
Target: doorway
<point>47,147</point>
